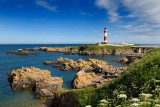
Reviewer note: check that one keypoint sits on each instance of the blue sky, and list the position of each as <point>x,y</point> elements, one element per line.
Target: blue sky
<point>79,21</point>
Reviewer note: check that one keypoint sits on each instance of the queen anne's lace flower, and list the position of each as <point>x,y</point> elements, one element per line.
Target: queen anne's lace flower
<point>123,96</point>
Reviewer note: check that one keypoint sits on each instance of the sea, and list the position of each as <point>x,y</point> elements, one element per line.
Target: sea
<point>25,98</point>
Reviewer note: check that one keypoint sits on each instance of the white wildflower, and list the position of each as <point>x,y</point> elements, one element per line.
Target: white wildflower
<point>104,101</point>
<point>123,96</point>
<point>144,96</point>
<point>157,81</point>
<point>134,100</point>
<point>157,105</point>
<point>88,106</point>
<point>144,103</point>
<point>135,105</point>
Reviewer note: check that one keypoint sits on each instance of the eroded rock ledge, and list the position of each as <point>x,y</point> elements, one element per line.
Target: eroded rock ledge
<point>81,51</point>
<point>129,59</point>
<point>44,85</point>
<point>21,53</point>
<point>99,72</point>
<point>66,64</point>
<point>67,50</point>
<point>95,65</point>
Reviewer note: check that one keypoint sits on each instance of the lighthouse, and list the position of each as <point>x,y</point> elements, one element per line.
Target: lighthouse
<point>105,35</point>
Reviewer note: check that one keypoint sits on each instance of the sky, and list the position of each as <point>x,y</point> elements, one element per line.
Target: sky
<point>79,21</point>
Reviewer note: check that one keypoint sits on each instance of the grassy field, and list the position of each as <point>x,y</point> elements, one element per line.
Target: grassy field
<point>138,85</point>
<point>96,47</point>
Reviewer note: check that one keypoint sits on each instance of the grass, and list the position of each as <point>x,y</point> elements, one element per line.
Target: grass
<point>96,47</point>
<point>139,78</point>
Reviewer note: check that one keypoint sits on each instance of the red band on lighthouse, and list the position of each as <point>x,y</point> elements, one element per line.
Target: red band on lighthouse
<point>105,38</point>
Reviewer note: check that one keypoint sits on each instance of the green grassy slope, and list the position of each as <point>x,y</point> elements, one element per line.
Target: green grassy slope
<point>140,77</point>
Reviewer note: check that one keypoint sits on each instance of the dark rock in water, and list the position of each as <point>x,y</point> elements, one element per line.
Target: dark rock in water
<point>129,59</point>
<point>32,49</point>
<point>48,87</point>
<point>21,53</point>
<point>49,62</point>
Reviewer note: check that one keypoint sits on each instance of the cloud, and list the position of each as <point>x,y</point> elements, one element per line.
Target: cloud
<point>46,5</point>
<point>96,31</point>
<point>39,19</point>
<point>142,21</point>
<point>145,10</point>
<point>83,13</point>
<point>148,10</point>
<point>20,6</point>
<point>111,6</point>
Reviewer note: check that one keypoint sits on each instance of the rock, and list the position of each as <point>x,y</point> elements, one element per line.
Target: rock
<point>129,59</point>
<point>39,80</point>
<point>77,65</point>
<point>21,53</point>
<point>26,77</point>
<point>114,71</point>
<point>33,49</point>
<point>48,87</point>
<point>82,80</point>
<point>78,50</point>
<point>50,62</point>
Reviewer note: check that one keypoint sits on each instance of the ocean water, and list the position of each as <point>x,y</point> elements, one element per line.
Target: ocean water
<point>8,98</point>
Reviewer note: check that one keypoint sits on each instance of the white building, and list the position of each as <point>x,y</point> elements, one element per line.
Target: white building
<point>125,43</point>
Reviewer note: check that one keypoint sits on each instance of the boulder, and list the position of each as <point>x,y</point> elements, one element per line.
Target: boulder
<point>48,87</point>
<point>82,80</point>
<point>26,77</point>
<point>39,80</point>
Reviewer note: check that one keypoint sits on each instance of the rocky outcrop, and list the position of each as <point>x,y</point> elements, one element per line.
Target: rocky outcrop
<point>48,87</point>
<point>106,52</point>
<point>66,64</point>
<point>129,59</point>
<point>66,50</point>
<point>82,80</point>
<point>25,77</point>
<point>21,53</point>
<point>44,84</point>
<point>78,50</point>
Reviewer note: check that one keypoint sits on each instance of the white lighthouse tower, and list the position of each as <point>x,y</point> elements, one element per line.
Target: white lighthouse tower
<point>105,35</point>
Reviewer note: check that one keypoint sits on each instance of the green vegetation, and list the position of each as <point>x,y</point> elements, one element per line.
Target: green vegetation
<point>96,47</point>
<point>138,86</point>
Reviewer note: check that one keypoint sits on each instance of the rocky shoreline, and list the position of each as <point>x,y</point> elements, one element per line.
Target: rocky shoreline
<point>81,51</point>
<point>90,72</point>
